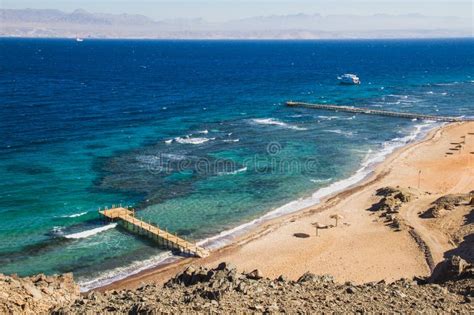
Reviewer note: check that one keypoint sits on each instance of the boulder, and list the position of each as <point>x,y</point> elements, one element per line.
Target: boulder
<point>311,277</point>
<point>453,268</point>
<point>256,274</point>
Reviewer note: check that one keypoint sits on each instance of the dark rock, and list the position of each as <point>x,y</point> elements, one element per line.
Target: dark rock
<point>386,191</point>
<point>350,290</point>
<point>255,274</point>
<point>222,266</point>
<point>453,268</point>
<point>307,276</point>
<point>391,201</point>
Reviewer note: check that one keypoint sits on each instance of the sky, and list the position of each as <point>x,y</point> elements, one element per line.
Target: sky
<point>223,10</point>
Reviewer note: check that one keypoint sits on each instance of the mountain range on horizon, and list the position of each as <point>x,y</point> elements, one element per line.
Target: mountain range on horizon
<point>56,24</point>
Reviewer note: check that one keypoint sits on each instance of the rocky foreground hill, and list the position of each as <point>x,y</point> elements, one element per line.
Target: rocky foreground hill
<point>224,290</point>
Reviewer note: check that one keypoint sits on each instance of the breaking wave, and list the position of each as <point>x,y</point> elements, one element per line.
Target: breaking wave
<point>91,232</point>
<point>276,122</point>
<point>191,140</point>
<point>231,140</point>
<point>75,215</point>
<point>123,272</point>
<point>324,180</point>
<point>340,132</point>
<point>240,170</point>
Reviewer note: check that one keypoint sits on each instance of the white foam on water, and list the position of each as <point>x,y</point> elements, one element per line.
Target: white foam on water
<point>276,122</point>
<point>324,180</point>
<point>75,215</point>
<point>437,93</point>
<point>340,132</point>
<point>58,230</point>
<point>120,273</point>
<point>91,232</point>
<point>231,140</point>
<point>447,84</point>
<point>240,170</point>
<point>328,117</point>
<point>190,140</point>
<point>398,96</point>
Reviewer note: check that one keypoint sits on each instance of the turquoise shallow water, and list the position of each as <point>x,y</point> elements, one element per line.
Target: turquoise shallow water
<point>195,135</point>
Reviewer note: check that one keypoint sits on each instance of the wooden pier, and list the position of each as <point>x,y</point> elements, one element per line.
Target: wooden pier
<point>128,220</point>
<point>369,111</point>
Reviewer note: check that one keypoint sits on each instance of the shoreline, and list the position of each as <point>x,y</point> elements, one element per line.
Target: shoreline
<point>377,171</point>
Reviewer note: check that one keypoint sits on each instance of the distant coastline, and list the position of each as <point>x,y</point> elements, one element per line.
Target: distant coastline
<point>247,39</point>
<point>37,23</point>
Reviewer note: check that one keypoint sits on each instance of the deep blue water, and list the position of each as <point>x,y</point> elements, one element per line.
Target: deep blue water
<point>195,134</point>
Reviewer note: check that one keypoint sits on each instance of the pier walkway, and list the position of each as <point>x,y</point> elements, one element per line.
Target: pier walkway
<point>369,111</point>
<point>128,220</point>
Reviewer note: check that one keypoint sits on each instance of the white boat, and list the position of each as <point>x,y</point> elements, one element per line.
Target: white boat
<point>78,39</point>
<point>349,78</point>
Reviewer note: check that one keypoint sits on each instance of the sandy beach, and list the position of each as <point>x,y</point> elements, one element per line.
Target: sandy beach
<point>362,247</point>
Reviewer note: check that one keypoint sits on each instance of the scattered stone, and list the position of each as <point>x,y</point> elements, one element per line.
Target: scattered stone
<point>37,294</point>
<point>223,290</point>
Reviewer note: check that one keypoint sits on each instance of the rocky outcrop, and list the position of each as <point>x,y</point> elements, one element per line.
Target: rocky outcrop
<point>454,268</point>
<point>392,199</point>
<point>446,203</point>
<point>396,192</point>
<point>36,295</point>
<point>224,290</point>
<point>389,205</point>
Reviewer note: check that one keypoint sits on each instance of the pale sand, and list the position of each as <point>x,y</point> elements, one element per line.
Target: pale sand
<point>362,248</point>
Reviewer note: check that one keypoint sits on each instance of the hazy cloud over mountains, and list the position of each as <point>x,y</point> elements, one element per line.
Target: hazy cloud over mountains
<point>55,23</point>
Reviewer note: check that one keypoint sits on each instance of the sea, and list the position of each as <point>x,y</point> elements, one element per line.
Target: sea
<point>195,135</point>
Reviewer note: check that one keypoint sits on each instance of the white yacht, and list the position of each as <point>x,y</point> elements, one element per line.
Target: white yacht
<point>349,78</point>
<point>78,39</point>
